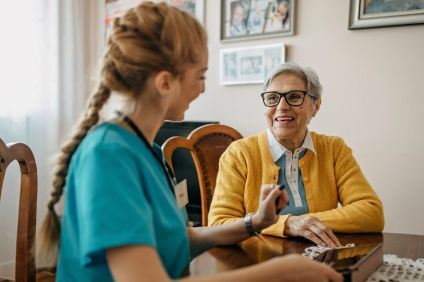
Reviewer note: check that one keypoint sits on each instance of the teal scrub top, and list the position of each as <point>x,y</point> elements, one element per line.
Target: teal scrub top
<point>116,195</point>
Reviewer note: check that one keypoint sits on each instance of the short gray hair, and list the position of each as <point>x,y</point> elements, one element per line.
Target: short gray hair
<point>308,75</point>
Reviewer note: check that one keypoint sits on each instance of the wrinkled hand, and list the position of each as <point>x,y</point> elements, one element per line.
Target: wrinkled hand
<point>297,268</point>
<point>311,228</point>
<point>271,199</point>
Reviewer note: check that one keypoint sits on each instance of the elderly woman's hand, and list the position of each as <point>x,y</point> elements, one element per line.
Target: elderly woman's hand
<point>272,199</point>
<point>311,228</point>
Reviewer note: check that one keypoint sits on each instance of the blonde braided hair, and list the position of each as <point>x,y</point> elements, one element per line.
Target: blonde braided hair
<point>147,39</point>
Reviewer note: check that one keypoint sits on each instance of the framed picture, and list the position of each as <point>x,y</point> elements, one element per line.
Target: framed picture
<point>247,19</point>
<point>249,65</point>
<point>378,13</point>
<point>116,8</point>
<point>194,7</point>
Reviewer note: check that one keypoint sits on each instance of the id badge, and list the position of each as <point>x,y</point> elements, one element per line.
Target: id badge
<point>181,194</point>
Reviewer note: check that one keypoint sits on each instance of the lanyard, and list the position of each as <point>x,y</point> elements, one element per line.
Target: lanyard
<point>166,169</point>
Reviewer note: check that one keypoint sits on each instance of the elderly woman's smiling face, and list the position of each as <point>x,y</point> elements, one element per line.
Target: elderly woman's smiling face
<point>289,123</point>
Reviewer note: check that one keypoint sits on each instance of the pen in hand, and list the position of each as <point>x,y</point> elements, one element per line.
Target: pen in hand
<point>280,187</point>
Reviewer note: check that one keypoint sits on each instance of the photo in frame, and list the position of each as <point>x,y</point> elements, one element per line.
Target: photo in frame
<point>195,8</point>
<point>248,19</point>
<point>116,8</point>
<point>380,13</point>
<point>249,65</point>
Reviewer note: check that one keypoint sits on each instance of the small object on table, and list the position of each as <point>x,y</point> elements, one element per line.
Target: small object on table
<point>355,263</point>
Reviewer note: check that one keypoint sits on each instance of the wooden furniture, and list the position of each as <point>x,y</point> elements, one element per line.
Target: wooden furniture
<point>206,144</point>
<point>25,242</point>
<point>261,248</point>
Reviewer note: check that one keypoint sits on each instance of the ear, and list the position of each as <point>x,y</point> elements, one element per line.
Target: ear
<point>316,105</point>
<point>164,82</point>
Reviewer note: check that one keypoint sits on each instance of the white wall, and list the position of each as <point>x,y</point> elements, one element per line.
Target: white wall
<point>373,98</point>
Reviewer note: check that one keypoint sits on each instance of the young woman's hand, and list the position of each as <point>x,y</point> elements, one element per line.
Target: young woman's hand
<point>271,200</point>
<point>298,268</point>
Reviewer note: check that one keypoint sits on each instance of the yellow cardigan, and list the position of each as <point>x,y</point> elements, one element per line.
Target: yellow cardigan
<point>329,177</point>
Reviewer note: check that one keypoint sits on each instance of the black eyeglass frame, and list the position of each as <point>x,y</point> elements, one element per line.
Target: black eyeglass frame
<point>280,95</point>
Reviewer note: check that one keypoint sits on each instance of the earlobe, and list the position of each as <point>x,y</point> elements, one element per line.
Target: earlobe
<point>317,105</point>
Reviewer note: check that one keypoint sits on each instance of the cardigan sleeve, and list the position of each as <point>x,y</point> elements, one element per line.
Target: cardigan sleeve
<point>227,202</point>
<point>277,229</point>
<point>362,210</point>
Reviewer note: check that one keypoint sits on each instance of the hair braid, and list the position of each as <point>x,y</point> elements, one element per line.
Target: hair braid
<point>50,230</point>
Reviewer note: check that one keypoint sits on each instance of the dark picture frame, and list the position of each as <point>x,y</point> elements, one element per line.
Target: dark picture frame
<point>251,19</point>
<point>382,13</point>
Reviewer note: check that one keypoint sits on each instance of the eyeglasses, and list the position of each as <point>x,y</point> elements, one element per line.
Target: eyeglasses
<point>293,98</point>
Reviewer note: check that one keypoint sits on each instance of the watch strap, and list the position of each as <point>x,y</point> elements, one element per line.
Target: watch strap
<point>249,225</point>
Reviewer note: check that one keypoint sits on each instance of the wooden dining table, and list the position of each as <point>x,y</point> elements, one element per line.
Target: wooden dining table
<point>261,248</point>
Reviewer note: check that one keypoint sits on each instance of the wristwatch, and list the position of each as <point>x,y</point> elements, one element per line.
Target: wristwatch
<point>249,225</point>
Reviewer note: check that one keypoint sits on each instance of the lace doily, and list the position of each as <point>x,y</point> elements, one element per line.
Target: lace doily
<point>396,269</point>
<point>393,269</point>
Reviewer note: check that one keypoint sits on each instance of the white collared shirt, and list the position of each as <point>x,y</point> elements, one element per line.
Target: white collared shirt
<point>292,161</point>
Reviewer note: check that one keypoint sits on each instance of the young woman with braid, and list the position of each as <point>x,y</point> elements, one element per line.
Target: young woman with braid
<point>121,220</point>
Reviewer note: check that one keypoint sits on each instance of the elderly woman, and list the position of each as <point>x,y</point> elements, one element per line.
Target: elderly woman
<point>318,171</point>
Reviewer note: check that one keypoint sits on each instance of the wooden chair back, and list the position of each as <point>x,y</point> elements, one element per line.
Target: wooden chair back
<point>25,242</point>
<point>206,145</point>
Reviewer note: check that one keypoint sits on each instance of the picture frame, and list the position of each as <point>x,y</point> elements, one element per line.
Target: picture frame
<point>116,8</point>
<point>194,7</point>
<point>383,13</point>
<point>249,65</point>
<point>251,19</point>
